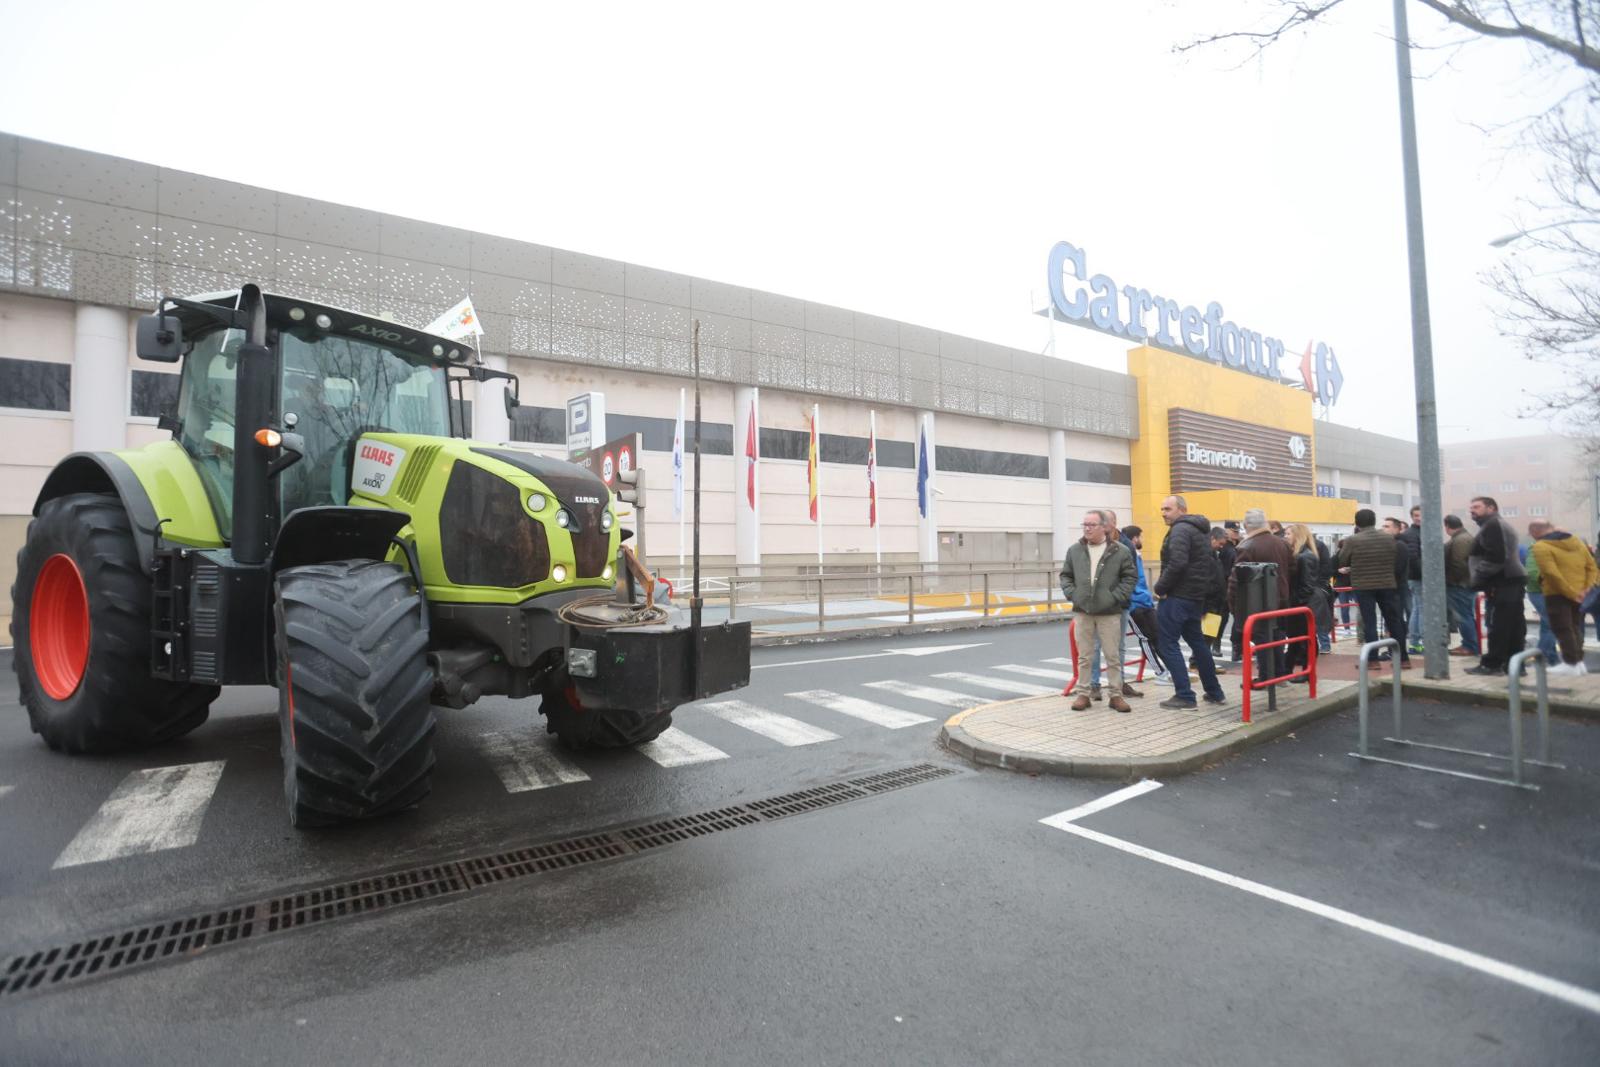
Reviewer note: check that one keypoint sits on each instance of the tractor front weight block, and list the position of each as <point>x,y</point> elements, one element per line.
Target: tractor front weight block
<point>651,668</point>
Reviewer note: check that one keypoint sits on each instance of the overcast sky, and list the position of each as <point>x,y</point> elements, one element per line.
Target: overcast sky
<point>912,161</point>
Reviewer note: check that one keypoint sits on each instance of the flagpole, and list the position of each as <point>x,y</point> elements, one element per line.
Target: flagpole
<point>678,489</point>
<point>816,437</point>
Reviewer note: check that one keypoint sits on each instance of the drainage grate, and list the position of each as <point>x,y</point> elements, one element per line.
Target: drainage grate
<point>188,937</point>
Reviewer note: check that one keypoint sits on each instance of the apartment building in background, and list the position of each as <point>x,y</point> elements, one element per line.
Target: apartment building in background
<point>1541,477</point>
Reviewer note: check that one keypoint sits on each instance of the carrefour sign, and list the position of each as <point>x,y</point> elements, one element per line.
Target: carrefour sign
<point>1096,301</point>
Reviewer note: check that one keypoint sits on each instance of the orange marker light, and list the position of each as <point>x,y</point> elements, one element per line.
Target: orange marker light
<point>269,438</point>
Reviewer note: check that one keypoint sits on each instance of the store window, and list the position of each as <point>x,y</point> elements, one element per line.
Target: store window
<point>1508,487</point>
<point>1535,483</point>
<point>152,394</point>
<point>1481,487</point>
<point>1509,513</point>
<point>1538,510</point>
<point>1535,457</point>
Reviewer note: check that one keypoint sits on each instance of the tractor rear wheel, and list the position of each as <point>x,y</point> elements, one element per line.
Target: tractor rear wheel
<point>579,727</point>
<point>80,627</point>
<point>353,683</point>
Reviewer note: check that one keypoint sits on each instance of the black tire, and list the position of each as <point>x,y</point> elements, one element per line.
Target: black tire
<point>579,727</point>
<point>117,704</point>
<point>353,686</point>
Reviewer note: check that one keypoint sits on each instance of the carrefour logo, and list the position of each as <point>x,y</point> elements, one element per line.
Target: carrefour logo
<point>1211,457</point>
<point>1297,447</point>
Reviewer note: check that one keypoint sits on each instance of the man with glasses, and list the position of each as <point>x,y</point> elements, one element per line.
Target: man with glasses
<point>1098,577</point>
<point>1110,520</point>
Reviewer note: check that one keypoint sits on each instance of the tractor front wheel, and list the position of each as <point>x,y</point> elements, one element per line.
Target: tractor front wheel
<point>353,686</point>
<point>80,626</point>
<point>579,726</point>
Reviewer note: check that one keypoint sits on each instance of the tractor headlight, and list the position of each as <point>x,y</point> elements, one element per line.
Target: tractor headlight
<point>536,502</point>
<point>606,520</point>
<point>606,574</point>
<point>558,572</point>
<point>563,520</point>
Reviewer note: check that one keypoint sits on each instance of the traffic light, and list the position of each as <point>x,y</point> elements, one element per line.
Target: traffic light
<point>630,487</point>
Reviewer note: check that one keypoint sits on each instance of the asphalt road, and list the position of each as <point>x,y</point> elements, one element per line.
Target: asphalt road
<point>941,922</point>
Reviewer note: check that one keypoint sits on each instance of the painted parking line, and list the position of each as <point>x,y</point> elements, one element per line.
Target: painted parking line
<point>674,748</point>
<point>1004,685</point>
<point>933,694</point>
<point>528,762</point>
<point>769,724</point>
<point>865,710</point>
<point>1577,996</point>
<point>151,810</point>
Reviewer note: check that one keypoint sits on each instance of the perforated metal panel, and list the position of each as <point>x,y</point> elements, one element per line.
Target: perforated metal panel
<point>81,226</point>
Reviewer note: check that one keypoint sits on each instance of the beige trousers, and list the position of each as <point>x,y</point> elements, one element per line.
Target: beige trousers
<point>1109,630</point>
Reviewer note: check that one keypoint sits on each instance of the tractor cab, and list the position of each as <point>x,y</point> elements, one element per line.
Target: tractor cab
<point>335,376</point>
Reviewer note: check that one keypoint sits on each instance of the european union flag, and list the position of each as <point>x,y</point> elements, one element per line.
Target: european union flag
<point>922,474</point>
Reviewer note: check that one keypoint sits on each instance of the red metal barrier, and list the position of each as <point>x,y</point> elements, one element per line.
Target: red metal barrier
<point>1309,671</point>
<point>1072,644</point>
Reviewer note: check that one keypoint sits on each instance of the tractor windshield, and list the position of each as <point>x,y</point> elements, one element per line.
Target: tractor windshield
<point>338,388</point>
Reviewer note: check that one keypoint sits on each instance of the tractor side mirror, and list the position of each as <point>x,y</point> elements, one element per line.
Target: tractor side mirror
<point>159,338</point>
<point>512,404</point>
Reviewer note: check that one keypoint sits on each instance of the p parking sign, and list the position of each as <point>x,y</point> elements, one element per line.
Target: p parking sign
<point>586,423</point>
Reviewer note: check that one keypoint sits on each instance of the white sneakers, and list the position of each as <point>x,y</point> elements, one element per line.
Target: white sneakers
<point>1568,669</point>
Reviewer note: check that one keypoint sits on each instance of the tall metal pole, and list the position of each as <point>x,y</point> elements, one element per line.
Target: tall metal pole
<point>694,597</point>
<point>1436,662</point>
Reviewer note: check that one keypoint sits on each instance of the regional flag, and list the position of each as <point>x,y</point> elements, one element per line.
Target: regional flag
<point>751,456</point>
<point>811,466</point>
<point>677,461</point>
<point>872,471</point>
<point>456,323</point>
<point>922,473</point>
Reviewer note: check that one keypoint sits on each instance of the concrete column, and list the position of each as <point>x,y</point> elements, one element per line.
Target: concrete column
<point>1377,497</point>
<point>928,525</point>
<point>1338,481</point>
<point>1409,495</point>
<point>489,422</point>
<point>100,379</point>
<point>746,514</point>
<point>1060,529</point>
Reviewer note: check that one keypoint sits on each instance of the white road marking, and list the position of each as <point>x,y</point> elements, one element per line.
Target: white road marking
<point>1004,685</point>
<point>1060,819</point>
<point>1058,659</point>
<point>948,697</point>
<point>1035,672</point>
<point>1577,996</point>
<point>866,710</point>
<point>150,811</point>
<point>925,650</point>
<point>4,789</point>
<point>674,748</point>
<point>769,724</point>
<point>528,762</point>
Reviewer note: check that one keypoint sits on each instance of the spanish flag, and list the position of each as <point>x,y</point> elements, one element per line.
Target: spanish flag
<point>811,465</point>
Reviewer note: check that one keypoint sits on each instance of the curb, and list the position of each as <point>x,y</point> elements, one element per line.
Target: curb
<point>1559,704</point>
<point>901,630</point>
<point>956,739</point>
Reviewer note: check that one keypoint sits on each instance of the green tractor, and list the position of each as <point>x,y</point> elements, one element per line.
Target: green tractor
<point>319,522</point>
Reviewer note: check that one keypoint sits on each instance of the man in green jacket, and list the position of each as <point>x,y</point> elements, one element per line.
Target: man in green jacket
<point>1098,576</point>
<point>1458,586</point>
<point>1369,556</point>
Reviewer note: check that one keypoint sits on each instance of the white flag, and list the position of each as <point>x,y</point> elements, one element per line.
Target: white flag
<point>456,323</point>
<point>677,460</point>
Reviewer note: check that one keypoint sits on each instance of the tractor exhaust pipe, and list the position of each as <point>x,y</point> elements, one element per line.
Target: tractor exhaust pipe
<point>253,506</point>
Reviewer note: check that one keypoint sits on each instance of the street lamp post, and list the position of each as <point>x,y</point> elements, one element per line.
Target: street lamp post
<point>1436,661</point>
<point>1501,242</point>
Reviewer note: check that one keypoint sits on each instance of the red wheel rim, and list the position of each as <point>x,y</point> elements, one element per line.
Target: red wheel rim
<point>58,627</point>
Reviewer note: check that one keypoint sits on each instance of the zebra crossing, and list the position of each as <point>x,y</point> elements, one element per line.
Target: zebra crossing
<point>163,808</point>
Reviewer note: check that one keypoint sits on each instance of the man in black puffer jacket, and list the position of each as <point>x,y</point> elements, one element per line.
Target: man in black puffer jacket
<point>1188,572</point>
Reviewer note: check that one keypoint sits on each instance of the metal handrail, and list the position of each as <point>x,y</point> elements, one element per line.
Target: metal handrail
<point>1394,662</point>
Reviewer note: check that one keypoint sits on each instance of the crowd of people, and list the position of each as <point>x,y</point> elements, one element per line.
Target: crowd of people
<point>1204,569</point>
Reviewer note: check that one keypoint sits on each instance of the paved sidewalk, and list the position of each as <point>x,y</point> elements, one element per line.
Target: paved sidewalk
<point>1043,735</point>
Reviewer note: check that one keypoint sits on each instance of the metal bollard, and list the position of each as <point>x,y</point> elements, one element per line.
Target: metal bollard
<point>986,594</point>
<point>911,598</point>
<point>733,597</point>
<point>1514,670</point>
<point>821,605</point>
<point>1394,661</point>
